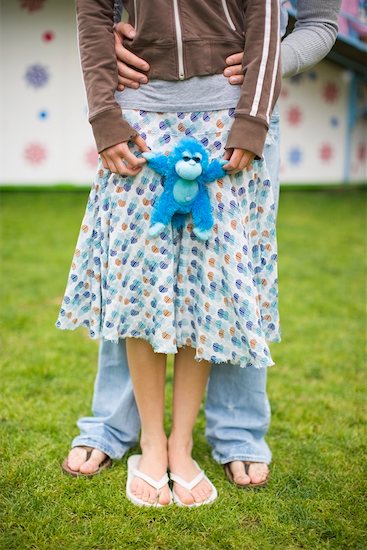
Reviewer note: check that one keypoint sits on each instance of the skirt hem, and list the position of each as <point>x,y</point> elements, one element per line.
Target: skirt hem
<point>158,348</point>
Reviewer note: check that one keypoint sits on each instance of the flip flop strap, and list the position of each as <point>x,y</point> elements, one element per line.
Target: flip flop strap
<point>188,485</point>
<point>156,484</point>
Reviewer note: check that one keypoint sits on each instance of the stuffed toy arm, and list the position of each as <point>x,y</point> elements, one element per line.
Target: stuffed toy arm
<point>159,163</point>
<point>214,171</point>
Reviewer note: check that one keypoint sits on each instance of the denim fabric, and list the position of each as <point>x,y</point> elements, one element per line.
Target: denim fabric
<point>237,407</point>
<point>272,154</point>
<point>114,426</point>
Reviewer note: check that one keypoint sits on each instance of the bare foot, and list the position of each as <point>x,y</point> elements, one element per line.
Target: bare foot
<point>77,460</point>
<point>154,463</point>
<point>182,464</point>
<point>257,472</point>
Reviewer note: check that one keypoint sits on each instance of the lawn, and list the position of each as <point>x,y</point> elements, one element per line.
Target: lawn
<point>317,391</point>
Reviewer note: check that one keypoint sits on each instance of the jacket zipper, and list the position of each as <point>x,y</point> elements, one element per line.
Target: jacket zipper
<point>135,15</point>
<point>181,72</point>
<point>226,12</point>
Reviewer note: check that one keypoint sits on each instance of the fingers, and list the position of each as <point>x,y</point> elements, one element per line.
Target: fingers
<point>130,158</point>
<point>234,74</point>
<point>141,143</point>
<point>129,74</point>
<point>246,160</point>
<point>234,70</point>
<point>129,84</point>
<point>126,56</point>
<point>239,159</point>
<point>105,162</point>
<point>236,79</point>
<point>235,59</point>
<point>232,166</point>
<point>119,159</point>
<point>125,30</point>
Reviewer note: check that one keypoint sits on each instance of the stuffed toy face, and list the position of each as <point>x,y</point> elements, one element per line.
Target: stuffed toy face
<point>186,171</point>
<point>189,167</point>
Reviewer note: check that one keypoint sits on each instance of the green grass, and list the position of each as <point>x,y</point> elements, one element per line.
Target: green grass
<point>315,498</point>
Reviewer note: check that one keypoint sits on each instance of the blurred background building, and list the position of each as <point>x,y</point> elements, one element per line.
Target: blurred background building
<point>46,137</point>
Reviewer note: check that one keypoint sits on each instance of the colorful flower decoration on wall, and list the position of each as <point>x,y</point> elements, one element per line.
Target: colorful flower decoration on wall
<point>334,121</point>
<point>32,5</point>
<point>48,36</point>
<point>42,115</point>
<point>294,116</point>
<point>37,75</point>
<point>35,154</point>
<point>330,92</point>
<point>295,156</point>
<point>326,152</point>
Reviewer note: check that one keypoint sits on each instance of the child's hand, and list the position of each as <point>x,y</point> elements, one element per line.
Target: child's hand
<point>239,159</point>
<point>120,160</point>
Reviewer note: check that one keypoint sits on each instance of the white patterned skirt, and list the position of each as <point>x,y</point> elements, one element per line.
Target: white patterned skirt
<point>219,296</point>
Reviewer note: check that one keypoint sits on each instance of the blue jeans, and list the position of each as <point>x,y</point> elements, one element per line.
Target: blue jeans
<point>237,407</point>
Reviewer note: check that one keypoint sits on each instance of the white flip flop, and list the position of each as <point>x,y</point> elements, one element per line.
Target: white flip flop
<point>190,485</point>
<point>133,471</point>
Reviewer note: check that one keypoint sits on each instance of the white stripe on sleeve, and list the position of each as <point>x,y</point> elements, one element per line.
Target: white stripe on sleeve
<point>264,59</point>
<point>275,71</point>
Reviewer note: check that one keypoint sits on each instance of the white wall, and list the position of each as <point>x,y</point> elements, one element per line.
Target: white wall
<point>62,141</point>
<point>46,137</point>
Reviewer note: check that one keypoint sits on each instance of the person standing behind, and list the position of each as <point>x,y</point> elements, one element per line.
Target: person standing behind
<point>236,426</point>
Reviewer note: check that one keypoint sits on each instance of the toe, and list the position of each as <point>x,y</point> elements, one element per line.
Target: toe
<point>133,486</point>
<point>207,490</point>
<point>152,499</point>
<point>164,496</point>
<point>138,488</point>
<point>239,473</point>
<point>197,496</point>
<point>91,466</point>
<point>202,492</point>
<point>184,496</point>
<point>242,480</point>
<point>258,472</point>
<point>76,458</point>
<point>146,493</point>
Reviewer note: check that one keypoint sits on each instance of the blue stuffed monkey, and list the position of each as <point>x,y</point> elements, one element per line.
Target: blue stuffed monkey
<point>187,171</point>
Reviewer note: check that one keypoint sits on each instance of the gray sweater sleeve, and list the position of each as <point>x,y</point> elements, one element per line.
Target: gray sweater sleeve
<point>313,36</point>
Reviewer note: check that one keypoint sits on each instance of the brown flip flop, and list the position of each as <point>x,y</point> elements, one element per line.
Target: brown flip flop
<point>249,485</point>
<point>107,462</point>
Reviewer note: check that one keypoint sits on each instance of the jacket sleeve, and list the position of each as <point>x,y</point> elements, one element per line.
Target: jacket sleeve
<point>97,54</point>
<point>313,36</point>
<point>262,77</point>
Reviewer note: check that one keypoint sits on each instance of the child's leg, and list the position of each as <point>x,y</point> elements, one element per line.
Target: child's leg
<point>190,378</point>
<point>148,372</point>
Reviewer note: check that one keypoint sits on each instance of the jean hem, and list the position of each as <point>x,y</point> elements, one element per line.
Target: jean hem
<point>96,444</point>
<point>243,457</point>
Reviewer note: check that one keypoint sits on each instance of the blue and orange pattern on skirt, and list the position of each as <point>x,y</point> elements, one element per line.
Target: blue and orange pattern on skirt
<point>219,296</point>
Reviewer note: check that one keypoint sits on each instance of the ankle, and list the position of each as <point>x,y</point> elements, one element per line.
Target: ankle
<point>179,444</point>
<point>153,442</point>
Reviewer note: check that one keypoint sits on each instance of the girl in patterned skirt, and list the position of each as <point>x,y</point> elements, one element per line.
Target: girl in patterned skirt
<point>204,301</point>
